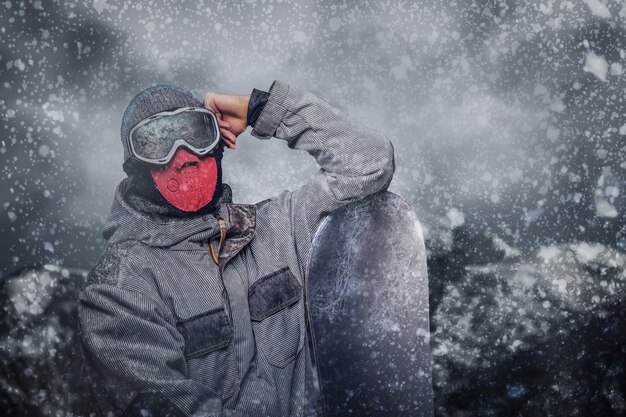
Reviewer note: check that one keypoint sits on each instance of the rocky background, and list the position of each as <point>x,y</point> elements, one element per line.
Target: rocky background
<point>508,120</point>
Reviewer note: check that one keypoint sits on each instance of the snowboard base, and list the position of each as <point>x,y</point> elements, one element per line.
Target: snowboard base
<point>367,297</point>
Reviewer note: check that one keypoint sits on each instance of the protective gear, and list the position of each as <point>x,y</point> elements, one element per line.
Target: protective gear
<point>188,182</point>
<point>143,195</point>
<point>157,138</point>
<point>162,325</point>
<point>151,101</point>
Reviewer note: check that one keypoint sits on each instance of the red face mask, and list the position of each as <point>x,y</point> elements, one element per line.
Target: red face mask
<point>187,182</point>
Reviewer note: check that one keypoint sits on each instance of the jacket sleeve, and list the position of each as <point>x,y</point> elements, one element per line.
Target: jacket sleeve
<point>354,161</point>
<point>133,354</point>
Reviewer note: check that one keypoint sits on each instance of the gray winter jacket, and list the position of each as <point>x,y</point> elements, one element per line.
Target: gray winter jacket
<point>165,330</point>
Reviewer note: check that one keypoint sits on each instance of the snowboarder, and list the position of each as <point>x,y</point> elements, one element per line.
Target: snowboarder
<point>196,307</point>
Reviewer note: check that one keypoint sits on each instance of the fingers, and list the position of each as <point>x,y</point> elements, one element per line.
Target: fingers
<point>228,137</point>
<point>209,103</point>
<point>223,123</point>
<point>230,140</point>
<point>209,100</point>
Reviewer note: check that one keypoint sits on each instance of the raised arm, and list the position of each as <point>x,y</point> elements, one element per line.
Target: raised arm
<point>354,161</point>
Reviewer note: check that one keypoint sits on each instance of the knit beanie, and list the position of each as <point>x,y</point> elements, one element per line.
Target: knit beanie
<point>142,193</point>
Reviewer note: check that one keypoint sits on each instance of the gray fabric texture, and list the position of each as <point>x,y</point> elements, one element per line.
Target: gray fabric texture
<point>130,313</point>
<point>272,293</point>
<point>205,332</point>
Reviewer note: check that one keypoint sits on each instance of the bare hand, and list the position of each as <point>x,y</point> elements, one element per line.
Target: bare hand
<point>232,114</point>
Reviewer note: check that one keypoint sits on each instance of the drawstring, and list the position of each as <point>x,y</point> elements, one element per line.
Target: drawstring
<point>214,257</point>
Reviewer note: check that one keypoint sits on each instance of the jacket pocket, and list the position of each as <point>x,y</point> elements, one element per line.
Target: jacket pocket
<point>275,310</point>
<point>209,353</point>
<point>205,332</point>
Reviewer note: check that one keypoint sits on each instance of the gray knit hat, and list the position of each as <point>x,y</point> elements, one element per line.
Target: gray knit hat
<point>151,101</point>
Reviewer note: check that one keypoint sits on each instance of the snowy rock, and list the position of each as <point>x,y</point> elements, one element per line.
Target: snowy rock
<point>39,348</point>
<point>539,335</point>
<point>512,333</point>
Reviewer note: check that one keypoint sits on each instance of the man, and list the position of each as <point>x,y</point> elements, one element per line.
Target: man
<point>196,308</point>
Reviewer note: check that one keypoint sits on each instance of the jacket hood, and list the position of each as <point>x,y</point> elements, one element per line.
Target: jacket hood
<point>126,223</point>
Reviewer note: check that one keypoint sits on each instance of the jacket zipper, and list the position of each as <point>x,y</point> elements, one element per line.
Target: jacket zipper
<point>215,257</point>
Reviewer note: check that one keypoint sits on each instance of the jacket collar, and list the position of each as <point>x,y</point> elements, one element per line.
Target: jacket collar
<point>126,223</point>
<point>242,221</point>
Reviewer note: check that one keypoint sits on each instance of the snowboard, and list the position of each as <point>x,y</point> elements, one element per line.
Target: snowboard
<point>367,306</point>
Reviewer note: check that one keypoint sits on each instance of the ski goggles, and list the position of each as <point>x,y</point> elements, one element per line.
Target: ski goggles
<point>157,138</point>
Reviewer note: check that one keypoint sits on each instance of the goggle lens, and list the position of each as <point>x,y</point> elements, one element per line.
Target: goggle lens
<point>154,139</point>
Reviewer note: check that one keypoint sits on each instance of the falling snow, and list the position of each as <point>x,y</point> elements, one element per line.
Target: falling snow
<point>508,120</point>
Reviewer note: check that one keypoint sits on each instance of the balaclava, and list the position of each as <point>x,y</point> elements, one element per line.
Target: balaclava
<point>188,185</point>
